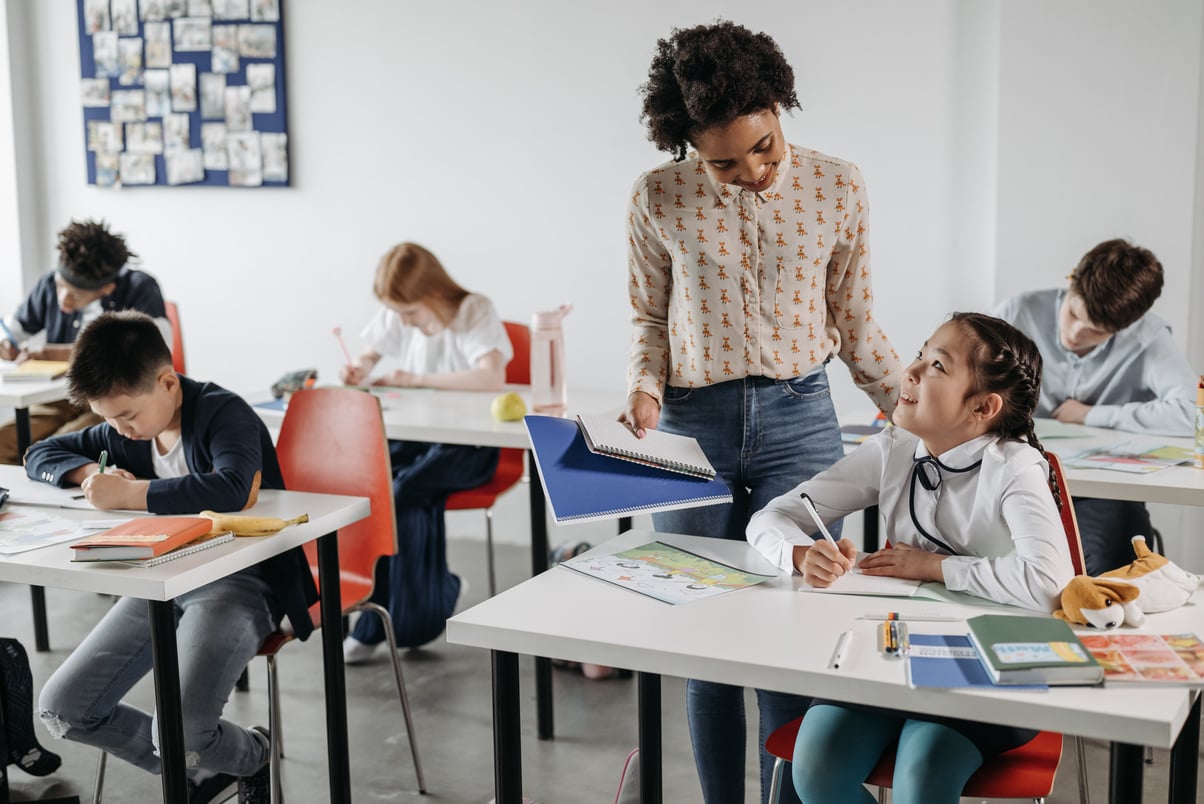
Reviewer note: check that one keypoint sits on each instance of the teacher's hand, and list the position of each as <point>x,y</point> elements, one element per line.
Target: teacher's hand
<point>642,413</point>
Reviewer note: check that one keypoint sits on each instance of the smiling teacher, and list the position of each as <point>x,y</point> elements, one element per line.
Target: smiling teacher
<point>748,271</point>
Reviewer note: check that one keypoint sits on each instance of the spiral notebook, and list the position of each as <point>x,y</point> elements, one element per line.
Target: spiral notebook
<point>203,543</point>
<point>581,485</point>
<point>604,435</point>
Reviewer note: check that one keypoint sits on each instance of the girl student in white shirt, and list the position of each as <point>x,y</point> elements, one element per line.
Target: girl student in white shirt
<point>441,336</point>
<point>966,493</point>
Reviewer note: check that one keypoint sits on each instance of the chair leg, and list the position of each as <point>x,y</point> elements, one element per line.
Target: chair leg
<point>99,782</point>
<point>1149,755</point>
<point>489,551</point>
<point>882,794</point>
<point>1080,755</point>
<point>775,783</point>
<point>276,748</point>
<point>383,613</point>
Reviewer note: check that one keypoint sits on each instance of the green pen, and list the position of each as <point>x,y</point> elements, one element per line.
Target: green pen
<point>104,458</point>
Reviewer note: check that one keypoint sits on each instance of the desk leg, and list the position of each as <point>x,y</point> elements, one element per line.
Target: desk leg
<point>337,756</point>
<point>167,702</point>
<point>539,563</point>
<point>1124,773</point>
<point>1184,756</point>
<point>870,540</point>
<point>650,738</point>
<point>41,636</point>
<point>507,742</point>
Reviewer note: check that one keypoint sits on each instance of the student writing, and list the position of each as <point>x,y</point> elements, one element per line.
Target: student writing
<point>178,446</point>
<point>1109,362</point>
<point>965,492</point>
<point>441,336</point>
<point>93,276</point>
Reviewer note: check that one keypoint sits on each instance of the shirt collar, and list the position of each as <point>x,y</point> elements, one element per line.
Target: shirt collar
<point>963,454</point>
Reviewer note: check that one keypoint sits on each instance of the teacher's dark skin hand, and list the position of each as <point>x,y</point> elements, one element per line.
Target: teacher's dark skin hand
<point>642,413</point>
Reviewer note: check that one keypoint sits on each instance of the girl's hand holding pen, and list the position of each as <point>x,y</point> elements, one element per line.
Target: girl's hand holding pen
<point>824,561</point>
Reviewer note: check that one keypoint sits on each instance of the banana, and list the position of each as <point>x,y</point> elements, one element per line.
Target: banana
<point>246,525</point>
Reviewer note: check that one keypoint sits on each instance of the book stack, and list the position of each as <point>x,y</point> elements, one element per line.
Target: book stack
<point>145,539</point>
<point>36,371</point>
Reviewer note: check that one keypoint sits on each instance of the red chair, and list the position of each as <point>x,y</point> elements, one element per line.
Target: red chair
<point>177,337</point>
<point>510,463</point>
<point>1027,771</point>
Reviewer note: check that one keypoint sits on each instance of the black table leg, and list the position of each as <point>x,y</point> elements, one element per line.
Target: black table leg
<point>167,702</point>
<point>650,738</point>
<point>41,634</point>
<point>1125,767</point>
<point>539,563</point>
<point>870,540</point>
<point>337,756</point>
<point>507,743</point>
<point>1184,756</point>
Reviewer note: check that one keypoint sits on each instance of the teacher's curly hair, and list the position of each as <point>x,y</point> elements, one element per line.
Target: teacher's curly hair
<point>709,75</point>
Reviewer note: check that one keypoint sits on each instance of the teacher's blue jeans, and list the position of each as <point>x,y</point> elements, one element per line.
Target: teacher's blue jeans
<point>763,437</point>
<point>219,629</point>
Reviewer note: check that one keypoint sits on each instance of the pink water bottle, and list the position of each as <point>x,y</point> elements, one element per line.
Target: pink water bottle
<point>548,391</point>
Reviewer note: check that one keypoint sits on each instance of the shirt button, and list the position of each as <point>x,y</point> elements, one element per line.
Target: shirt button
<point>75,324</point>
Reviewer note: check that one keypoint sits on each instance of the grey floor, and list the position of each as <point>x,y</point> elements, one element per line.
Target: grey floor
<point>449,688</point>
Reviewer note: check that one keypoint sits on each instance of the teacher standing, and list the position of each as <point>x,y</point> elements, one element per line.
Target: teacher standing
<point>748,270</point>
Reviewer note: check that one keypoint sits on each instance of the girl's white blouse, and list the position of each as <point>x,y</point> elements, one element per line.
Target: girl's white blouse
<point>1000,519</point>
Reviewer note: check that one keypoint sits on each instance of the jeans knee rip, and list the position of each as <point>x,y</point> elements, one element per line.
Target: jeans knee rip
<point>57,727</point>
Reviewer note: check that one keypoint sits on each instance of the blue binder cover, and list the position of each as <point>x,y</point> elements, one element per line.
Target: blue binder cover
<point>581,486</point>
<point>948,661</point>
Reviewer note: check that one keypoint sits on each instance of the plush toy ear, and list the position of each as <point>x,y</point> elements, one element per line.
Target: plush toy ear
<point>1125,592</point>
<point>1061,615</point>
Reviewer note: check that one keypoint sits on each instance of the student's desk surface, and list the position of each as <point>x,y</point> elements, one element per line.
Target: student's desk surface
<point>737,638</point>
<point>23,393</point>
<point>1178,485</point>
<point>52,566</point>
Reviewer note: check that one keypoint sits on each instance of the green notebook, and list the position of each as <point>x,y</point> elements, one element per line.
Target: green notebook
<point>1032,650</point>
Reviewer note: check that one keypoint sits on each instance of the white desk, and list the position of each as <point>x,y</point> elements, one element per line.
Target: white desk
<point>20,396</point>
<point>737,639</point>
<point>1178,485</point>
<point>52,566</point>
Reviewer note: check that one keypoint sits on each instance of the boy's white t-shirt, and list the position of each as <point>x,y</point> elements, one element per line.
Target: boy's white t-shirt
<point>475,331</point>
<point>173,464</point>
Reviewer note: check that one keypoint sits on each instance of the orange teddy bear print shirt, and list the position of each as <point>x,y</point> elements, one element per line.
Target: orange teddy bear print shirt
<point>726,283</point>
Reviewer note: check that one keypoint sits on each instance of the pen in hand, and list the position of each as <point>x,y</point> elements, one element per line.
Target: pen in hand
<point>819,522</point>
<point>104,459</point>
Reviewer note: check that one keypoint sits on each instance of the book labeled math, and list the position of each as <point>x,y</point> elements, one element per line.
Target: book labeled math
<point>1032,650</point>
<point>140,538</point>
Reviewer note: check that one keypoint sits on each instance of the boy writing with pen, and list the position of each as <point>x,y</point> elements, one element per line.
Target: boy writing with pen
<point>169,445</point>
<point>93,275</point>
<point>965,490</point>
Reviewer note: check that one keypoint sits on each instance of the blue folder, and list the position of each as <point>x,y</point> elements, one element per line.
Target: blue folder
<point>581,486</point>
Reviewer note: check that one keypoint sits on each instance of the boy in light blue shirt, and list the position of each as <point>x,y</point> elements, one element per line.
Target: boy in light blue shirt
<point>1109,362</point>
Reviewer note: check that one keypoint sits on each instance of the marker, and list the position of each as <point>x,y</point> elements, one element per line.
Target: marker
<point>815,515</point>
<point>104,458</point>
<point>338,334</point>
<point>910,618</point>
<point>842,647</point>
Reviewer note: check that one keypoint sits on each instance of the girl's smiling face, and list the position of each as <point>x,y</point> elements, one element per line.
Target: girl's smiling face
<point>937,401</point>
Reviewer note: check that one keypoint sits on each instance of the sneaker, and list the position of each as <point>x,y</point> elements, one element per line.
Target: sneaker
<point>218,787</point>
<point>356,652</point>
<point>257,788</point>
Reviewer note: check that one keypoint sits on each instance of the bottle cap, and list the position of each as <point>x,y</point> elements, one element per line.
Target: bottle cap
<point>550,318</point>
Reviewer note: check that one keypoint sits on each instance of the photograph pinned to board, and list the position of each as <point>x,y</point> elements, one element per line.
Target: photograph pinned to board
<point>147,62</point>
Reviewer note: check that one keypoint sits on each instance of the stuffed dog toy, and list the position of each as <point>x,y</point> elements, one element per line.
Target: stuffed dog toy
<point>1124,596</point>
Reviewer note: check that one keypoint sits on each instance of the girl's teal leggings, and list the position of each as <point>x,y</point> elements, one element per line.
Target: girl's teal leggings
<point>837,748</point>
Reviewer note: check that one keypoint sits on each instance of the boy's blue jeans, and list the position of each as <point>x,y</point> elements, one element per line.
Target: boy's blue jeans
<point>763,437</point>
<point>219,629</point>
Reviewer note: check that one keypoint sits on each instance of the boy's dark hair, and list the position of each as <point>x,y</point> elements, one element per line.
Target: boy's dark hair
<point>1118,282</point>
<point>90,254</point>
<point>709,75</point>
<point>1005,361</point>
<point>118,353</point>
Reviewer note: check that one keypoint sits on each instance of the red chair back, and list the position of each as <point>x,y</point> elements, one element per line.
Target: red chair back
<point>518,370</point>
<point>1070,522</point>
<point>177,337</point>
<point>333,441</point>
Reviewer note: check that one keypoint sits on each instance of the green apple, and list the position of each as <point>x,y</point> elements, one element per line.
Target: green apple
<point>508,407</point>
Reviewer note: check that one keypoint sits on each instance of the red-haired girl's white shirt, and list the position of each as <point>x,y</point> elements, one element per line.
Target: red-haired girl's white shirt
<point>475,331</point>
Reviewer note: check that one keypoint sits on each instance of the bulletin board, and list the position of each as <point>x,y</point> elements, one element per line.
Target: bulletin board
<point>183,92</point>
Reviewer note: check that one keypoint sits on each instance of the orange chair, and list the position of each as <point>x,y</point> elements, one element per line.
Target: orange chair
<point>344,427</point>
<point>510,462</point>
<point>177,337</point>
<point>1026,771</point>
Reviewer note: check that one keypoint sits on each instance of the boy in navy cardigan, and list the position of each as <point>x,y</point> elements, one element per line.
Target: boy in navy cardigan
<point>176,446</point>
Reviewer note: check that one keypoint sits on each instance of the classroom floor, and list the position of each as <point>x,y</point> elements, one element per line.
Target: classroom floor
<point>449,689</point>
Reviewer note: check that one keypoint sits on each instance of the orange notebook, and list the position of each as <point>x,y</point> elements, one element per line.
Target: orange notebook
<point>143,537</point>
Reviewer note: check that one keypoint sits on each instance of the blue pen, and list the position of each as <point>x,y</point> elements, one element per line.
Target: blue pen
<point>8,332</point>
